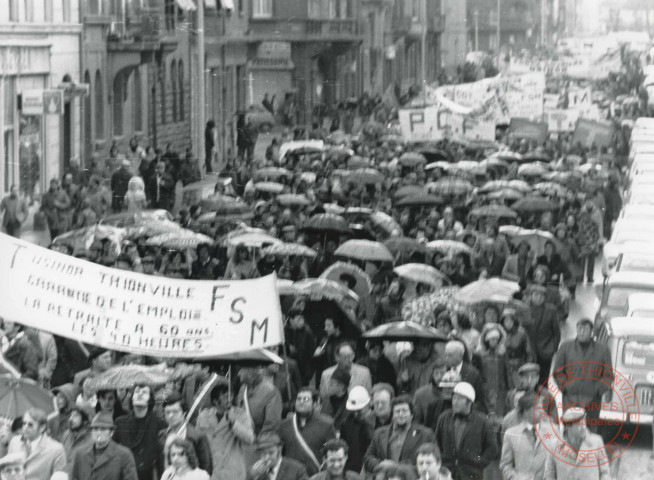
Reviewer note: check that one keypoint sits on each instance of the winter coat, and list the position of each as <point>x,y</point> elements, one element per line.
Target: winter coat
<point>588,235</point>
<point>493,366</point>
<point>115,463</point>
<point>228,441</point>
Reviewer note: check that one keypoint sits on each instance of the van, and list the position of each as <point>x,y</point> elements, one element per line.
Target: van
<point>631,343</point>
<point>615,291</point>
<point>640,305</point>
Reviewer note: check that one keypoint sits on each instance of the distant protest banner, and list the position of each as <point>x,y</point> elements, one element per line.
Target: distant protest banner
<point>501,97</point>
<point>133,312</point>
<point>561,120</point>
<point>591,132</point>
<point>435,123</point>
<point>524,128</point>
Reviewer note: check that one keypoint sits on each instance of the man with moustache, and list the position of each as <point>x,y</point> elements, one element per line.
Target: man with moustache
<point>78,434</point>
<point>304,432</point>
<point>103,459</point>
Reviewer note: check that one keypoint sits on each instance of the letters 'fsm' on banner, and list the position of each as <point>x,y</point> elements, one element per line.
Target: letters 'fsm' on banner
<point>133,312</point>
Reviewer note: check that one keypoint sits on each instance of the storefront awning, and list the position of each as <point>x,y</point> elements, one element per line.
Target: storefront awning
<point>187,5</point>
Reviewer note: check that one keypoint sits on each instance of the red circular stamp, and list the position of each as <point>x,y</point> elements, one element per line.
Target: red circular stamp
<point>596,397</point>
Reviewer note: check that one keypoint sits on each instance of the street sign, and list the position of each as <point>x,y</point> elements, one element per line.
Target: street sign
<point>53,102</point>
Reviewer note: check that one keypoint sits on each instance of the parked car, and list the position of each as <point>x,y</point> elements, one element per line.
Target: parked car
<point>640,305</point>
<point>261,118</point>
<point>617,289</point>
<point>635,261</point>
<point>631,343</point>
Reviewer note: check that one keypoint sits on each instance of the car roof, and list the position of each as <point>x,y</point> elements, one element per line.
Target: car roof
<point>631,278</point>
<point>638,300</point>
<point>630,326</point>
<point>636,259</point>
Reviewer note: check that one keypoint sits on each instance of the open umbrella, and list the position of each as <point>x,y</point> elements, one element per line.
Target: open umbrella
<point>384,222</point>
<point>536,157</point>
<point>269,187</point>
<point>18,395</point>
<point>152,228</point>
<point>364,250</point>
<point>442,164</point>
<point>493,211</point>
<point>508,156</point>
<point>449,247</point>
<point>257,356</point>
<point>420,200</point>
<point>339,151</point>
<point>487,289</point>
<point>421,309</point>
<point>494,185</point>
<point>130,219</point>
<point>412,159</point>
<point>330,299</point>
<point>293,199</point>
<point>333,208</point>
<point>180,240</point>
<point>252,240</point>
<point>504,194</point>
<point>534,205</point>
<point>358,280</point>
<point>408,190</point>
<point>535,169</point>
<point>449,186</point>
<point>271,174</point>
<point>493,163</point>
<point>82,239</point>
<point>224,205</point>
<point>535,238</point>
<point>433,154</point>
<point>403,248</point>
<point>393,140</point>
<point>404,332</point>
<point>520,185</point>
<point>356,162</point>
<point>326,222</point>
<point>289,249</point>
<point>551,188</point>
<point>366,176</point>
<point>126,376</point>
<point>467,166</point>
<point>421,273</point>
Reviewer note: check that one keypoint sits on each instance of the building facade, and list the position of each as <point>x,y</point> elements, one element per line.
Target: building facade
<point>519,24</point>
<point>39,65</point>
<point>136,59</point>
<point>306,53</point>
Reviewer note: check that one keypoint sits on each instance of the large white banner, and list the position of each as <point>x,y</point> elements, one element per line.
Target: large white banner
<point>502,97</point>
<point>435,123</point>
<point>132,312</point>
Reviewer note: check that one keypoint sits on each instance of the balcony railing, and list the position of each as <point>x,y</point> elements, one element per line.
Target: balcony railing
<point>305,29</point>
<point>140,30</point>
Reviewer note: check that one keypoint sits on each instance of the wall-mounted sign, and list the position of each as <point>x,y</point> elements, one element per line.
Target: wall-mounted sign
<point>32,102</point>
<point>274,50</point>
<point>53,102</point>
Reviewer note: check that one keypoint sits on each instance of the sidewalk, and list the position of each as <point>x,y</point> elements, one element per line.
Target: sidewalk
<point>28,233</point>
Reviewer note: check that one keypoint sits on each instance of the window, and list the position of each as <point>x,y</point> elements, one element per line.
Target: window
<point>262,8</point>
<point>88,140</point>
<point>137,110</point>
<point>180,88</point>
<point>9,107</point>
<point>98,102</point>
<point>38,11</point>
<point>118,100</point>
<point>66,10</point>
<point>170,9</point>
<point>315,9</point>
<point>331,8</point>
<point>173,85</point>
<point>638,354</point>
<point>162,90</point>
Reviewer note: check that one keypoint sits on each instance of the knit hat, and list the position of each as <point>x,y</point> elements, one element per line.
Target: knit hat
<point>103,420</point>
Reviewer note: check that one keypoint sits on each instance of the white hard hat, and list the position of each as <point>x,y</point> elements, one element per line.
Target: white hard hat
<point>358,399</point>
<point>465,390</point>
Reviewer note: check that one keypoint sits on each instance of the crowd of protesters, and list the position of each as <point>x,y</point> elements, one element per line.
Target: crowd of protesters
<point>340,408</point>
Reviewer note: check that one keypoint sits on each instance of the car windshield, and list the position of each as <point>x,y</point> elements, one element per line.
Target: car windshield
<point>637,264</point>
<point>642,313</point>
<point>617,296</point>
<point>638,353</point>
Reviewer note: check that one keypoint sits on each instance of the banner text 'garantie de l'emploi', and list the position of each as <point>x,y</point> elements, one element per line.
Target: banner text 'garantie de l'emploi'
<point>133,312</point>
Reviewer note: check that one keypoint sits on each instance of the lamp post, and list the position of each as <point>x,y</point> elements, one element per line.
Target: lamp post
<point>499,21</point>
